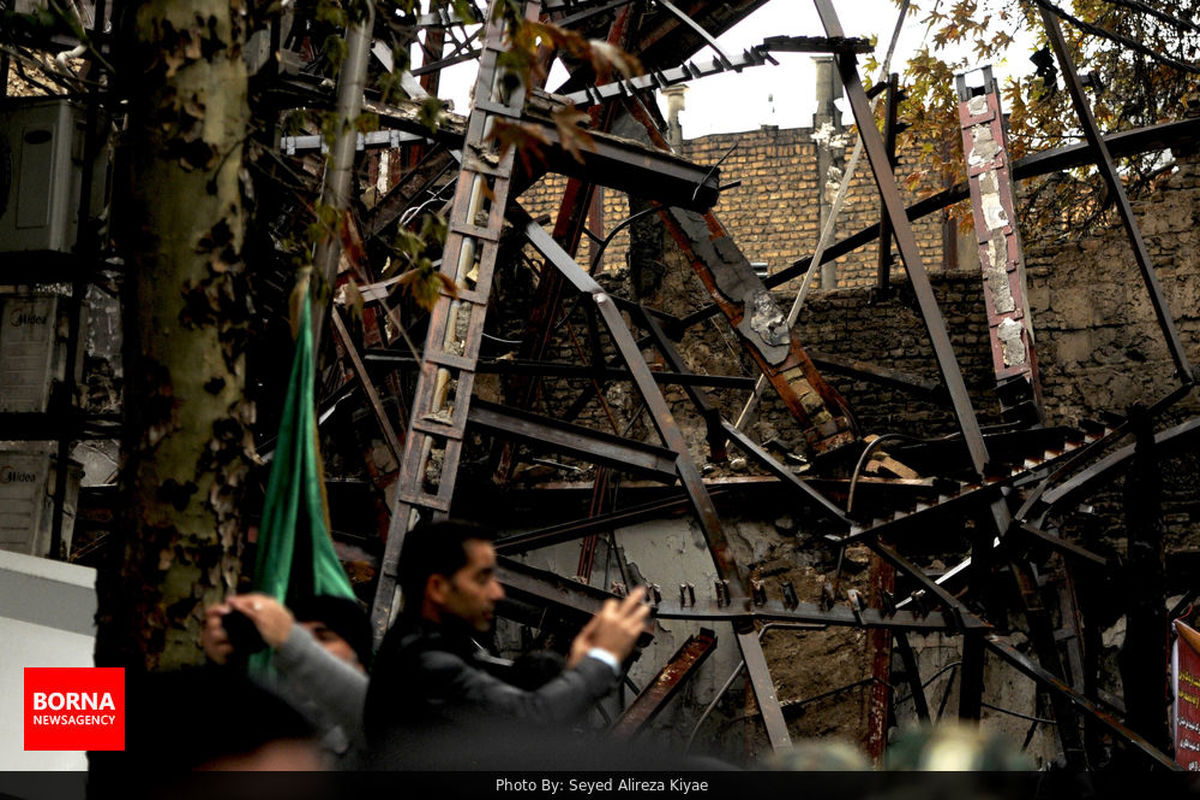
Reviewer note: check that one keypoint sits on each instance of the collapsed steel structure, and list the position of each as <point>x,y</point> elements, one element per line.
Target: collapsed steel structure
<point>1040,471</point>
<point>1016,479</point>
<point>1042,468</point>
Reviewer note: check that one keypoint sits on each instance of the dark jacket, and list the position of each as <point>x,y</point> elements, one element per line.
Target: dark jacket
<point>429,679</point>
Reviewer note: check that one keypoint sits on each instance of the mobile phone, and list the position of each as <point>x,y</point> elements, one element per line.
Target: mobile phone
<point>242,633</point>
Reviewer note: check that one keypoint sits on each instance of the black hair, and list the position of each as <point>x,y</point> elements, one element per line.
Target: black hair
<point>435,548</point>
<point>343,616</point>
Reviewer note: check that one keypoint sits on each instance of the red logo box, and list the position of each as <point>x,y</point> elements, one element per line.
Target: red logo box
<point>74,708</point>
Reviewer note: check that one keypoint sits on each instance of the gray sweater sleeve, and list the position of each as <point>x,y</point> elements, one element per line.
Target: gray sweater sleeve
<point>320,677</point>
<point>459,687</point>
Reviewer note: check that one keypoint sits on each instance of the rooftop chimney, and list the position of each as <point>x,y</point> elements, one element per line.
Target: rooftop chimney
<point>674,95</point>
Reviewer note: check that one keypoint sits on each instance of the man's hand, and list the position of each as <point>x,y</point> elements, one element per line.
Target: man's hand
<point>273,620</point>
<point>615,628</point>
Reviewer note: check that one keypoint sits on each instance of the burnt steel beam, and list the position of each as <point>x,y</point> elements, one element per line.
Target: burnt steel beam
<point>818,44</point>
<point>927,388</point>
<point>841,616</point>
<point>666,684</point>
<point>618,163</point>
<point>1035,496</point>
<point>906,243</point>
<point>632,168</point>
<point>578,529</point>
<point>661,79</point>
<point>1061,545</point>
<point>1031,669</point>
<point>614,451</point>
<point>756,451</point>
<point>912,673</point>
<point>891,128</point>
<point>959,614</point>
<point>368,388</point>
<point>560,370</point>
<point>662,40</point>
<point>569,598</point>
<point>544,586</point>
<point>689,70</point>
<point>1116,191</point>
<point>763,684</point>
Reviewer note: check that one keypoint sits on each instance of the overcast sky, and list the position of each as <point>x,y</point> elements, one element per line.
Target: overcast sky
<point>782,95</point>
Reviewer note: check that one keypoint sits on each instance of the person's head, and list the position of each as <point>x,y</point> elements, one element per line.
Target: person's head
<point>338,624</point>
<point>448,574</point>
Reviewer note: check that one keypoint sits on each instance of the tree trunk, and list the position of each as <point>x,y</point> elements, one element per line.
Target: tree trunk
<point>180,227</point>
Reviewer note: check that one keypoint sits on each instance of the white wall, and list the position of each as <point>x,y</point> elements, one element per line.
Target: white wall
<point>47,619</point>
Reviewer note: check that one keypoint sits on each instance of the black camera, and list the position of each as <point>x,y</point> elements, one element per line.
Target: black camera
<point>242,633</point>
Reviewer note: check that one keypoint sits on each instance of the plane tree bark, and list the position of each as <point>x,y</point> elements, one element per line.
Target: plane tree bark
<point>179,222</point>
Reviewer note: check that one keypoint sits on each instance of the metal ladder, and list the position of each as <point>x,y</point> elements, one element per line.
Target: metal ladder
<point>433,448</point>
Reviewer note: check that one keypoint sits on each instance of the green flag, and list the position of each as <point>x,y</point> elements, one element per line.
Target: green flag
<point>295,552</point>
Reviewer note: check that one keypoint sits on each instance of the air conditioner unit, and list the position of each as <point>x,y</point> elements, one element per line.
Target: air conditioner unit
<point>33,351</point>
<point>27,476</point>
<point>41,161</point>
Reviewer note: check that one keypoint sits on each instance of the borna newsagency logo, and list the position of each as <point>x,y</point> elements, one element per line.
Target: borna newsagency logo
<point>74,708</point>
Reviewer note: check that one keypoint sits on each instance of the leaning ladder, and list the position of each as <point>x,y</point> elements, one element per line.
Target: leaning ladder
<point>433,448</point>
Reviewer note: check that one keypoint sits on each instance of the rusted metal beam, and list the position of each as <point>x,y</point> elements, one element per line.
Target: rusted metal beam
<point>1031,669</point>
<point>689,475</point>
<point>546,587</point>
<point>883,279</point>
<point>1040,630</point>
<point>957,613</point>
<point>661,40</point>
<point>666,684</point>
<point>1146,646</point>
<point>415,183</point>
<point>660,413</point>
<point>631,167</point>
<point>597,446</point>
